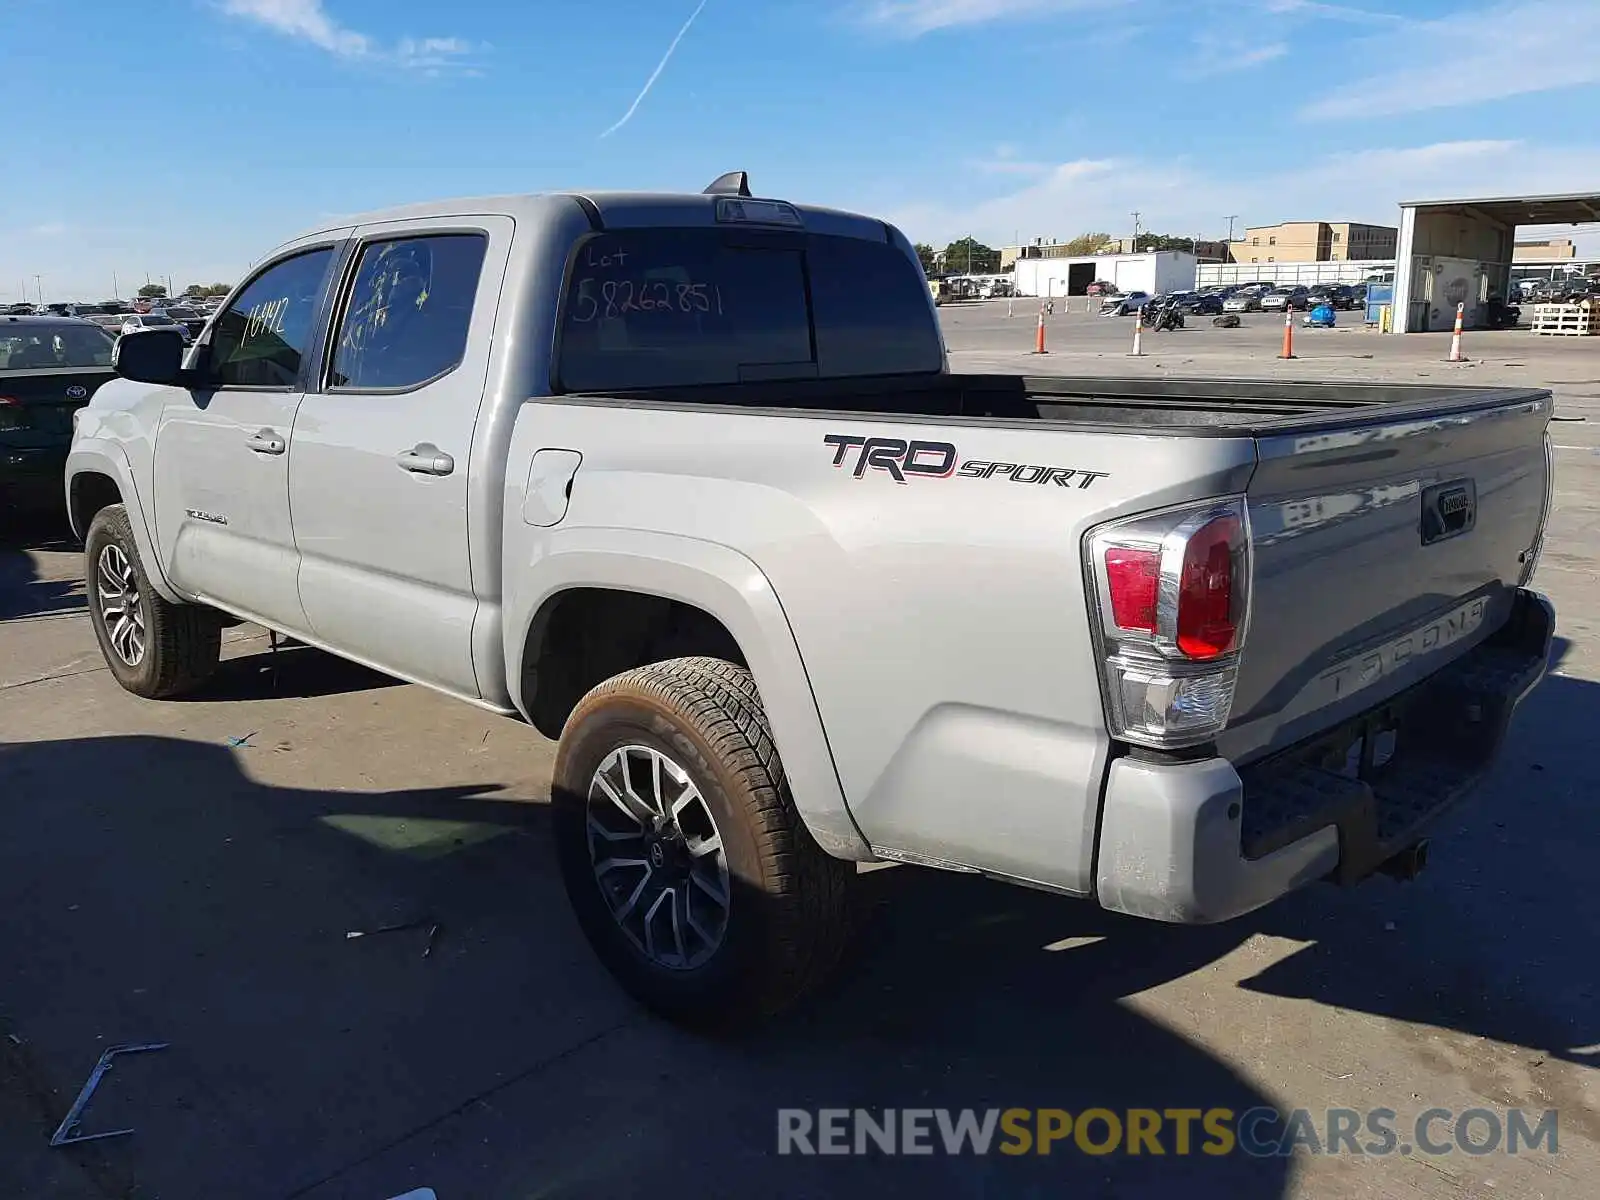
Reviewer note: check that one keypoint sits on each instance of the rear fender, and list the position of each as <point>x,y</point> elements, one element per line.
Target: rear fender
<point>731,588</point>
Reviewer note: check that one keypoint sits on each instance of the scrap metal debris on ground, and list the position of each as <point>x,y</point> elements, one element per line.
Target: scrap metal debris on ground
<point>66,1133</point>
<point>427,923</point>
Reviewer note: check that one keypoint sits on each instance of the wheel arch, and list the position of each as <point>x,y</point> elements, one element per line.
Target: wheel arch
<point>674,597</point>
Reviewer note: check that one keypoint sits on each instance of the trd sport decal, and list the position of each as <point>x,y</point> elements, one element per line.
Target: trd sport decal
<point>939,460</point>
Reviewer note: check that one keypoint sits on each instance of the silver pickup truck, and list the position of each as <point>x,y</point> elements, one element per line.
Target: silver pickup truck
<point>685,482</point>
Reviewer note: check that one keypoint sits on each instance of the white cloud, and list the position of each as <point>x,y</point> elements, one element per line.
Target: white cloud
<point>49,229</point>
<point>1185,198</point>
<point>1220,56</point>
<point>309,21</point>
<point>1474,56</point>
<point>913,18</point>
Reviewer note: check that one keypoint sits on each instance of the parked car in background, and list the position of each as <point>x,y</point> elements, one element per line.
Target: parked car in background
<point>1243,300</point>
<point>49,368</point>
<point>191,319</point>
<point>1337,295</point>
<point>1122,304</point>
<point>1280,298</point>
<point>110,322</point>
<point>133,322</point>
<point>1200,303</point>
<point>1100,288</point>
<point>1358,295</point>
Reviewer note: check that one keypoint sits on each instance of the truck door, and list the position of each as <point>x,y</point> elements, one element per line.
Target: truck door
<point>221,457</point>
<point>378,477</point>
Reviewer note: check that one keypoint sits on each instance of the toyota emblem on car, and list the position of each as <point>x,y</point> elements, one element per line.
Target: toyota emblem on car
<point>77,391</point>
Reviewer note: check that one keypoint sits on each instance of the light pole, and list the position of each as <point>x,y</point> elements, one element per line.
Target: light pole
<point>1231,220</point>
<point>38,286</point>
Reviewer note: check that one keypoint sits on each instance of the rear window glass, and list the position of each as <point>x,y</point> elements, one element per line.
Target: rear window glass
<point>674,307</point>
<point>46,347</point>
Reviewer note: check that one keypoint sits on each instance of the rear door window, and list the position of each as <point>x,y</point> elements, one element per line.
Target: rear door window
<point>406,318</point>
<point>673,307</point>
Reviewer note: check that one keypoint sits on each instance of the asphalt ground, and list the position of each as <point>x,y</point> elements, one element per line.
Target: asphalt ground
<point>190,873</point>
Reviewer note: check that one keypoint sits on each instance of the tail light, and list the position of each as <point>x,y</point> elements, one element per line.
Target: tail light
<point>11,414</point>
<point>1172,593</point>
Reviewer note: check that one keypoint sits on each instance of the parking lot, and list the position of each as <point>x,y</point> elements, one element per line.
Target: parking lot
<point>191,873</point>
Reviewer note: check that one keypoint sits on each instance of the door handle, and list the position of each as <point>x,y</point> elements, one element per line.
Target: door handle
<point>265,441</point>
<point>425,459</point>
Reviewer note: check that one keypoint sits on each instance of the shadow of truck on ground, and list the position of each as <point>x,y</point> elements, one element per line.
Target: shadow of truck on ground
<point>155,892</point>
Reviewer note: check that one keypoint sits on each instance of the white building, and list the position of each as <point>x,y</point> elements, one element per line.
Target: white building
<point>1155,271</point>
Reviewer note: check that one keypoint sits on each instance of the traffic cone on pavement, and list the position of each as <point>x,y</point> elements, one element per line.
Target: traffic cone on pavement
<point>1455,338</point>
<point>1038,337</point>
<point>1138,334</point>
<point>1288,331</point>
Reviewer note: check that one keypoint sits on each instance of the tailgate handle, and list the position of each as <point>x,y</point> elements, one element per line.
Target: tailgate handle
<point>1448,509</point>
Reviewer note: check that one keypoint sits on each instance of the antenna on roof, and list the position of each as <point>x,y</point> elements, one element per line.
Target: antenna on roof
<point>734,183</point>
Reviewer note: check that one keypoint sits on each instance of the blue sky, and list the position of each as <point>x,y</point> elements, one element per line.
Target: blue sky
<point>186,137</point>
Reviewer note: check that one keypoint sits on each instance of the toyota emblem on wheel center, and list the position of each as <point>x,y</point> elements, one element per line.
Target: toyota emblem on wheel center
<point>77,391</point>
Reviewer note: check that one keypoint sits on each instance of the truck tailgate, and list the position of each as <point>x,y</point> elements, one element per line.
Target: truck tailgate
<point>1383,550</point>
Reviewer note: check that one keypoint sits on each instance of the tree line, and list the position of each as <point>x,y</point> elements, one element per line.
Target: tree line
<point>152,291</point>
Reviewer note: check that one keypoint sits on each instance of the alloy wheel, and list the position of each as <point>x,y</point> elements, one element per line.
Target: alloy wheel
<point>658,857</point>
<point>121,609</point>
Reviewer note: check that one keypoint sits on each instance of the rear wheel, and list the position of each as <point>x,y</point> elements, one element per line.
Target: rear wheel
<point>153,647</point>
<point>688,868</point>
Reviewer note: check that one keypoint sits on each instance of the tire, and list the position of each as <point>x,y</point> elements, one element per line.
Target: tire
<point>178,645</point>
<point>785,923</point>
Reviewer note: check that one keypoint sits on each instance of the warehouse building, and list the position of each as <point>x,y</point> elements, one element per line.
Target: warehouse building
<point>1461,252</point>
<point>1154,271</point>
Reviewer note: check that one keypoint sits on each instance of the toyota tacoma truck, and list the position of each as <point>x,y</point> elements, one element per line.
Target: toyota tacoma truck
<point>685,482</point>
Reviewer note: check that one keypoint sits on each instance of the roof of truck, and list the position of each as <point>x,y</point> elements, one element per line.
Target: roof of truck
<point>527,205</point>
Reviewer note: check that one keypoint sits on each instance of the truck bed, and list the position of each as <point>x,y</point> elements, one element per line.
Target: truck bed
<point>1363,583</point>
<point>1233,407</point>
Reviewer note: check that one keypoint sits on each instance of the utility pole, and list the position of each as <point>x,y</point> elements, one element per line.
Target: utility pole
<point>115,295</point>
<point>1231,220</point>
<point>38,286</point>
<point>1136,231</point>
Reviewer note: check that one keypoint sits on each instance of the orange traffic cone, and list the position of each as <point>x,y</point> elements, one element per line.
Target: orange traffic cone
<point>1038,337</point>
<point>1288,331</point>
<point>1455,338</point>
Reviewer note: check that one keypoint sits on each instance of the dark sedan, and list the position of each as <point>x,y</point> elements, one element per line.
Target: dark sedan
<point>1338,295</point>
<point>49,367</point>
<point>1195,304</point>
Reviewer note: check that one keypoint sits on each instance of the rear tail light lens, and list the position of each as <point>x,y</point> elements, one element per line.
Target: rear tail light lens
<point>1172,591</point>
<point>1207,620</point>
<point>1133,577</point>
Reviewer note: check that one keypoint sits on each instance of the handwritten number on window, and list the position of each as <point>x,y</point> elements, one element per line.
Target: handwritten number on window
<point>618,297</point>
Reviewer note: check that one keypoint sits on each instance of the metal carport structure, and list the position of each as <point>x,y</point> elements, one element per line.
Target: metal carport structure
<point>1459,252</point>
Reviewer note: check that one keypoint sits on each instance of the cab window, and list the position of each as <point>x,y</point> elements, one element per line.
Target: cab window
<point>262,337</point>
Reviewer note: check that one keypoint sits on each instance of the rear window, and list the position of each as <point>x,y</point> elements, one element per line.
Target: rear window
<point>48,347</point>
<point>676,307</point>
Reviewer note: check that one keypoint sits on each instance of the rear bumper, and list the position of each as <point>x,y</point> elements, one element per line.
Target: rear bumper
<point>1201,842</point>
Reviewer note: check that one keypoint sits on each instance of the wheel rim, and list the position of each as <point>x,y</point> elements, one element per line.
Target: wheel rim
<point>121,609</point>
<point>658,857</point>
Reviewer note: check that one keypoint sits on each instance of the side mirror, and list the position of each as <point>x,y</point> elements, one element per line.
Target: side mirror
<point>149,356</point>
